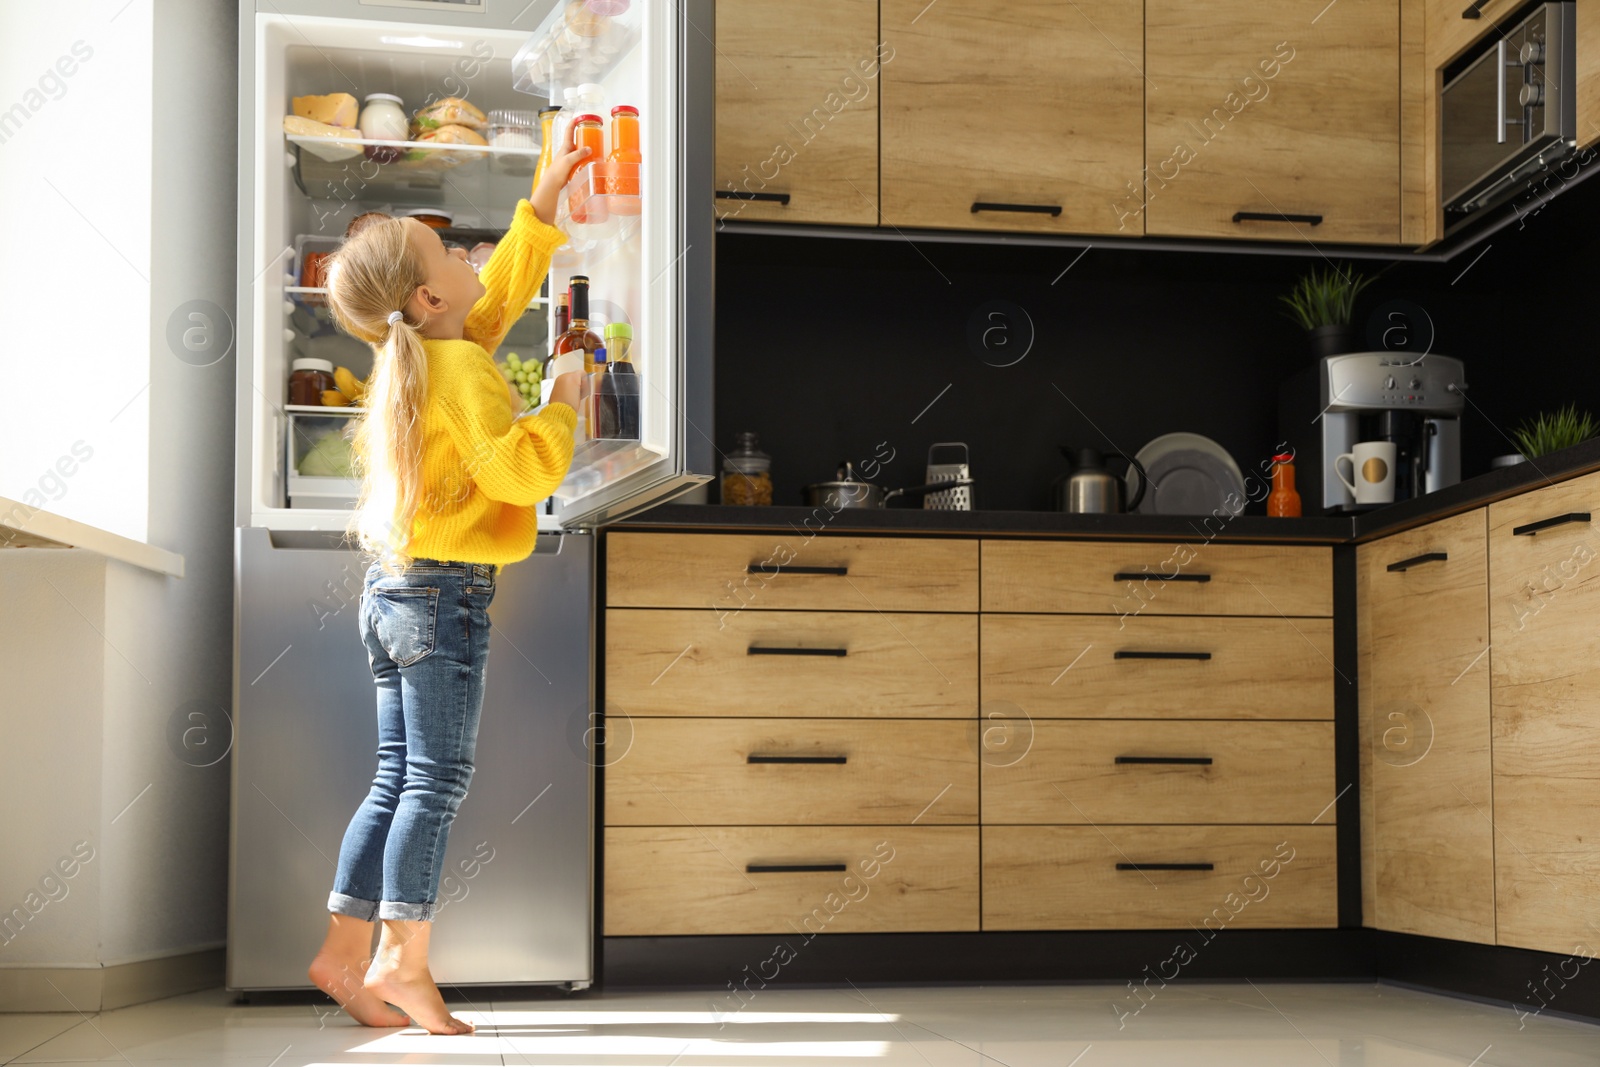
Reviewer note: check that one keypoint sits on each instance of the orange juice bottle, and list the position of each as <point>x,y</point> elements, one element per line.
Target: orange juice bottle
<point>587,131</point>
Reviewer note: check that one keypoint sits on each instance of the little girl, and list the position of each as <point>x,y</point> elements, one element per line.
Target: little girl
<point>450,477</point>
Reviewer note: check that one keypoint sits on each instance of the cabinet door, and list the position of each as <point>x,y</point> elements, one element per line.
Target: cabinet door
<point>1035,107</point>
<point>1424,681</point>
<point>1544,617</point>
<point>1587,19</point>
<point>797,111</point>
<point>1289,111</point>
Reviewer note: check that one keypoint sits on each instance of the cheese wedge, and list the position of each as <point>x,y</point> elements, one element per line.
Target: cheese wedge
<point>327,143</point>
<point>335,109</point>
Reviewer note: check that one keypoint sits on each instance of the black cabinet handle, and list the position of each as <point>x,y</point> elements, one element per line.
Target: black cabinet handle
<point>1475,11</point>
<point>1132,576</point>
<point>1275,216</point>
<point>755,568</point>
<point>1194,761</point>
<point>773,868</point>
<point>1038,209</point>
<point>1121,654</point>
<point>754,758</point>
<point>771,198</point>
<point>1426,557</point>
<point>1545,524</point>
<point>1166,866</point>
<point>759,650</point>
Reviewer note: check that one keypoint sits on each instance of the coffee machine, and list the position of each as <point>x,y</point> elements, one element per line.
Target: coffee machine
<point>1373,396</point>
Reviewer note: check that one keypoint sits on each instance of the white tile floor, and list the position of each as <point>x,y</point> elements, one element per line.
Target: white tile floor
<point>1196,1025</point>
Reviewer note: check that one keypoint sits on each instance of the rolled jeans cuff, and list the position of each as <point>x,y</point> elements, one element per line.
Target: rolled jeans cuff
<point>403,912</point>
<point>355,907</point>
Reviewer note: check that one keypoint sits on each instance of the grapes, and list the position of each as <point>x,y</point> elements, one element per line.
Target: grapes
<point>525,376</point>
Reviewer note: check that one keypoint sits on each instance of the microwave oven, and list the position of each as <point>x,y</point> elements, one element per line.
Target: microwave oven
<point>1510,112</point>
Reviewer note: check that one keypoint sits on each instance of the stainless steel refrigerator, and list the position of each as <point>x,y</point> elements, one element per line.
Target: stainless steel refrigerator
<point>519,881</point>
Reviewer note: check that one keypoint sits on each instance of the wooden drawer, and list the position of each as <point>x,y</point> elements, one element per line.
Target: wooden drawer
<point>1544,629</point>
<point>789,663</point>
<point>763,772</point>
<point>876,879</point>
<point>734,573</point>
<point>1141,771</point>
<point>1126,579</point>
<point>1448,35</point>
<point>1067,877</point>
<point>1088,667</point>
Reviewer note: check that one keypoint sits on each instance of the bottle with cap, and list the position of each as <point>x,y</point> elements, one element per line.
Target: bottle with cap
<point>1284,501</point>
<point>747,473</point>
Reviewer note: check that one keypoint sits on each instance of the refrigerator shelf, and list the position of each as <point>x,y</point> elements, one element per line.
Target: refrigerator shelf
<point>461,177</point>
<point>563,53</point>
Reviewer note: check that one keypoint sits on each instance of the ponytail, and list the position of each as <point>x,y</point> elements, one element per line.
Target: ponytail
<point>370,279</point>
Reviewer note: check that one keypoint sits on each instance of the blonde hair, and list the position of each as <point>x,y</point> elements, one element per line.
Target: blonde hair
<point>373,274</point>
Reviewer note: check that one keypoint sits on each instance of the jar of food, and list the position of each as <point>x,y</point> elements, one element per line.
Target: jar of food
<point>514,129</point>
<point>746,473</point>
<point>383,118</point>
<point>436,218</point>
<point>308,378</point>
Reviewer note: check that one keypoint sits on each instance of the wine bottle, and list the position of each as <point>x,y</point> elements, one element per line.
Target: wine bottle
<point>578,336</point>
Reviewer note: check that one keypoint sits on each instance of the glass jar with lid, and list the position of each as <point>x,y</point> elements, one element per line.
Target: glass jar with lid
<point>308,379</point>
<point>747,473</point>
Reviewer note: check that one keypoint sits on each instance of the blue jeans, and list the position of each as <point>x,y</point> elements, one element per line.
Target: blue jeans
<point>427,638</point>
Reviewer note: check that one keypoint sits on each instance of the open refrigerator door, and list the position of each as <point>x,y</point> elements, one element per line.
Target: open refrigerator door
<point>645,250</point>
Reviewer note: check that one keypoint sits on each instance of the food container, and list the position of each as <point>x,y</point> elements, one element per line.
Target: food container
<point>746,473</point>
<point>307,380</point>
<point>515,129</point>
<point>479,254</point>
<point>383,118</point>
<point>432,217</point>
<point>320,472</point>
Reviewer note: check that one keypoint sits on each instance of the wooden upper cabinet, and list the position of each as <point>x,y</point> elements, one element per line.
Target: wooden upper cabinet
<point>1587,18</point>
<point>797,110</point>
<point>1449,35</point>
<point>1282,109</point>
<point>1423,675</point>
<point>1033,104</point>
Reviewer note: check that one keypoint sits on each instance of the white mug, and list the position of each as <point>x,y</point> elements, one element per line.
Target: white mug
<point>1372,468</point>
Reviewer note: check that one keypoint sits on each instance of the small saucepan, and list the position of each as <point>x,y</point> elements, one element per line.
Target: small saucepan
<point>849,491</point>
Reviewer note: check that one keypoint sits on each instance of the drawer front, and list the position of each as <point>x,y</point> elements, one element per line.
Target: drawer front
<point>871,879</point>
<point>1084,667</point>
<point>1068,878</point>
<point>1140,771</point>
<point>791,663</point>
<point>735,573</point>
<point>793,772</point>
<point>1157,579</point>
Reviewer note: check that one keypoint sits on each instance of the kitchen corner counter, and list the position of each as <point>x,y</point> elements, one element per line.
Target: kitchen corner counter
<point>808,521</point>
<point>24,526</point>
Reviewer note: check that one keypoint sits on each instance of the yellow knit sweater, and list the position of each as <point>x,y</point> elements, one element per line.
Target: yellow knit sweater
<point>483,470</point>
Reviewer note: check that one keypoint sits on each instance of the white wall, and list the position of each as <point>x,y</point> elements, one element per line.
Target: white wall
<point>75,174</point>
<point>143,141</point>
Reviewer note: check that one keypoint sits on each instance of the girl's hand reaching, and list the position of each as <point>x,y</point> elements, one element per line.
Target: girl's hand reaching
<point>553,180</point>
<point>566,389</point>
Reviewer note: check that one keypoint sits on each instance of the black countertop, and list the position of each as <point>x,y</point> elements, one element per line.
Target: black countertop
<point>1330,530</point>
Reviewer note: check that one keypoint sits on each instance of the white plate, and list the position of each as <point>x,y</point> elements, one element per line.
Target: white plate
<point>1190,474</point>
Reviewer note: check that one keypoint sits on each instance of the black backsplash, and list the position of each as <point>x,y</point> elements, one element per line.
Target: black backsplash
<point>828,348</point>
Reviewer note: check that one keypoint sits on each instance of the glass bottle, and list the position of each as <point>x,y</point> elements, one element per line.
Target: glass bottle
<point>547,143</point>
<point>746,473</point>
<point>1283,501</point>
<point>588,131</point>
<point>578,336</point>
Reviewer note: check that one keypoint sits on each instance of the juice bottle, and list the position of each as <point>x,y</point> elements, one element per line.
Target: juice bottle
<point>623,164</point>
<point>587,131</point>
<point>1283,501</point>
<point>547,144</point>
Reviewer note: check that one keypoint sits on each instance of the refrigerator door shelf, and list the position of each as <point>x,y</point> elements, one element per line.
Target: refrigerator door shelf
<point>573,45</point>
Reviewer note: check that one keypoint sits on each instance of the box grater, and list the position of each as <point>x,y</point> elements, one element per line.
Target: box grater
<point>948,499</point>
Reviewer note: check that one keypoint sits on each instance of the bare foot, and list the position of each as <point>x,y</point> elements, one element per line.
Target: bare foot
<point>343,980</point>
<point>416,995</point>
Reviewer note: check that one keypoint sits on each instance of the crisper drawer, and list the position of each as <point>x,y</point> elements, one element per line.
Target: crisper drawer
<point>734,573</point>
<point>787,663</point>
<point>1088,667</point>
<point>790,879</point>
<point>1157,579</point>
<point>1199,878</point>
<point>760,772</point>
<point>1142,771</point>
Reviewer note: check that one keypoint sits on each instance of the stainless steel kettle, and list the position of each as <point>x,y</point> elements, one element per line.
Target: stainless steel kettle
<point>1091,488</point>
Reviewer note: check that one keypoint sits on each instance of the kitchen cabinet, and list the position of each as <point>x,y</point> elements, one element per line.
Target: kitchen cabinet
<point>1544,567</point>
<point>1017,116</point>
<point>1273,122</point>
<point>1587,18</point>
<point>1428,843</point>
<point>1449,34</point>
<point>797,111</point>
<point>792,734</point>
<point>1158,736</point>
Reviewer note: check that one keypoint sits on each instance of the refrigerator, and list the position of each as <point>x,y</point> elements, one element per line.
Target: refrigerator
<point>517,896</point>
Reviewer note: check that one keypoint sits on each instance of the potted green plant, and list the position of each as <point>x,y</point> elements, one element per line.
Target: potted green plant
<point>1550,432</point>
<point>1323,302</point>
